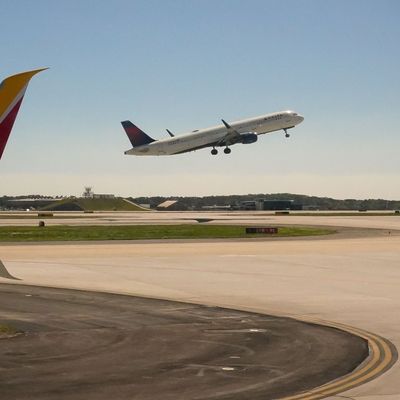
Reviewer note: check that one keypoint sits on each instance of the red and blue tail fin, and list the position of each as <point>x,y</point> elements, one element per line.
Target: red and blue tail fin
<point>136,136</point>
<point>12,91</point>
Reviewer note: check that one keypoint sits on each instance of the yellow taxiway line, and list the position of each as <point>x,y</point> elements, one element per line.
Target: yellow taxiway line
<point>382,355</point>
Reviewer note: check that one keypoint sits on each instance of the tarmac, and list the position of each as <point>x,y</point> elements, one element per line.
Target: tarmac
<point>364,220</point>
<point>350,282</point>
<point>88,345</point>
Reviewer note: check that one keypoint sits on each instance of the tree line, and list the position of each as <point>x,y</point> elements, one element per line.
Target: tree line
<point>198,203</point>
<point>321,203</point>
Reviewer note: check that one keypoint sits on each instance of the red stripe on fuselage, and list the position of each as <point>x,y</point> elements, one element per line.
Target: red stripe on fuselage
<point>7,124</point>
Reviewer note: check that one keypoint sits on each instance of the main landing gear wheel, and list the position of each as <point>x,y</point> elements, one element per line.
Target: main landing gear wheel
<point>214,152</point>
<point>286,134</point>
<point>227,150</point>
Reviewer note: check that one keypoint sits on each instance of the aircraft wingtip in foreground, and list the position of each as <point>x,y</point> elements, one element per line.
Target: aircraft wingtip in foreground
<point>244,131</point>
<point>12,91</point>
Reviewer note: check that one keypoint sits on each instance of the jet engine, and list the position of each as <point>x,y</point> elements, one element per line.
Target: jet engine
<point>248,137</point>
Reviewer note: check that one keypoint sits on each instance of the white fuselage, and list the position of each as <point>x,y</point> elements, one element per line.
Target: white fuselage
<point>213,136</point>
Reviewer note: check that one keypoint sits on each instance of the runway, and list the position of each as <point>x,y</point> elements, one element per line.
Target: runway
<point>351,281</point>
<point>364,220</point>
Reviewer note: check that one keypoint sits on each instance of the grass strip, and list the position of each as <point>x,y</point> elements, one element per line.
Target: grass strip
<point>137,232</point>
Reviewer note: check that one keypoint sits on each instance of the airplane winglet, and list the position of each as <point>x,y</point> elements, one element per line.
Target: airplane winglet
<point>226,124</point>
<point>5,274</point>
<point>231,137</point>
<point>12,91</point>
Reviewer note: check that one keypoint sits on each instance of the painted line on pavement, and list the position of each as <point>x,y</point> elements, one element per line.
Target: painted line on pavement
<point>382,356</point>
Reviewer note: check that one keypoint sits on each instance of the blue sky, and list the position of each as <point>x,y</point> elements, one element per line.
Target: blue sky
<point>184,65</point>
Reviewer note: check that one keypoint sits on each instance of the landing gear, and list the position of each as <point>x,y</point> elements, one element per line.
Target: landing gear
<point>214,151</point>
<point>286,134</point>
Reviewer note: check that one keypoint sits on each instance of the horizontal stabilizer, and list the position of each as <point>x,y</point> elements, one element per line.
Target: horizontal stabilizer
<point>12,91</point>
<point>136,136</point>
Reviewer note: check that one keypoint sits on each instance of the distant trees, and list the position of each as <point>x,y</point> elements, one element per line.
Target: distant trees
<point>197,203</point>
<point>322,203</point>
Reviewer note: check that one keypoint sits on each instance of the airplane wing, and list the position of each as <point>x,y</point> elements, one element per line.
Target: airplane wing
<point>12,91</point>
<point>232,137</point>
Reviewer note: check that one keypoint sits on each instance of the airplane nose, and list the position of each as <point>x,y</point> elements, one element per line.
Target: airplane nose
<point>300,118</point>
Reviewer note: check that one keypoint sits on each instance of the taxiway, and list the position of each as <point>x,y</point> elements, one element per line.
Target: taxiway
<point>350,281</point>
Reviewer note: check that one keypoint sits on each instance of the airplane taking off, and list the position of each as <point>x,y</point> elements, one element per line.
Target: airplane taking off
<point>12,91</point>
<point>245,131</point>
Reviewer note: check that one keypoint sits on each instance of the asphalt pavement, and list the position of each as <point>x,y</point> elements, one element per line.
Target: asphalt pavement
<point>87,345</point>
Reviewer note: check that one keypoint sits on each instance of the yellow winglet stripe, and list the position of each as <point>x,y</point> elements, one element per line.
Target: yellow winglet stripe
<point>12,86</point>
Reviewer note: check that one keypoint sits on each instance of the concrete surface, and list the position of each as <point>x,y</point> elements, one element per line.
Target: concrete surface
<point>88,345</point>
<point>351,281</point>
<point>237,217</point>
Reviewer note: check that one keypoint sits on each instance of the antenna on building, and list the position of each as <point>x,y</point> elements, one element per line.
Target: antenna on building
<point>88,193</point>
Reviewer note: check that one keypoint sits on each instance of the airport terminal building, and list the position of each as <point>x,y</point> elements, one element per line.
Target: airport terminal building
<point>270,205</point>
